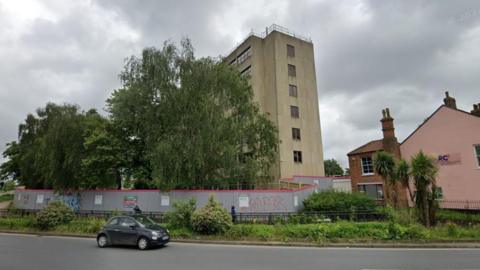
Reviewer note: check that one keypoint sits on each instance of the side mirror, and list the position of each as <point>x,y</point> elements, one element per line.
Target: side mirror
<point>133,227</point>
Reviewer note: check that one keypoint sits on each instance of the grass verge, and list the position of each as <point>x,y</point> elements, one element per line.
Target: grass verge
<point>351,232</point>
<point>6,197</point>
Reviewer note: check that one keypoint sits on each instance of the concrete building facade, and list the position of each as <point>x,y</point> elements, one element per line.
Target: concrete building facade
<point>281,70</point>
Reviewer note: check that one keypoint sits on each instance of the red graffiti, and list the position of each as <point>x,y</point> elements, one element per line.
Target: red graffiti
<point>273,203</point>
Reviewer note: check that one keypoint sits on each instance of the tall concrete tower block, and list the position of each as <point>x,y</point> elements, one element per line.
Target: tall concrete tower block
<point>281,70</point>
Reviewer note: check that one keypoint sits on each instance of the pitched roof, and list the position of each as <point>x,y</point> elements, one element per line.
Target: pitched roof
<point>368,147</point>
<point>430,117</point>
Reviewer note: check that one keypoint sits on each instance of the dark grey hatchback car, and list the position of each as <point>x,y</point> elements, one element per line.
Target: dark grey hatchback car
<point>137,230</point>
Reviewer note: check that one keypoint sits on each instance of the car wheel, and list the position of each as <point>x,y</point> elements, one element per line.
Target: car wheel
<point>142,243</point>
<point>102,241</point>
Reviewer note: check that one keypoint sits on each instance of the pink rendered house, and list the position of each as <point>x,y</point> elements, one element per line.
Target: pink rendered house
<point>452,136</point>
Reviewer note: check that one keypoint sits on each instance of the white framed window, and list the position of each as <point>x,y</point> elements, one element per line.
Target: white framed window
<point>367,166</point>
<point>477,154</point>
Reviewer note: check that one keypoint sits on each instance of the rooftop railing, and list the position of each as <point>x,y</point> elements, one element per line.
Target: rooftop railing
<point>269,30</point>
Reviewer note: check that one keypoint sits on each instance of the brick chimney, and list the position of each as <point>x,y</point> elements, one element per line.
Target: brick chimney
<point>449,101</point>
<point>390,142</point>
<point>476,110</point>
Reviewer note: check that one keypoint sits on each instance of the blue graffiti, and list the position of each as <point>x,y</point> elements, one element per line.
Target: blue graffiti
<point>73,201</point>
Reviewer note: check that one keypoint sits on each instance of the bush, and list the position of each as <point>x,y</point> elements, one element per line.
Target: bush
<point>54,214</point>
<point>212,218</point>
<point>181,214</point>
<point>331,201</point>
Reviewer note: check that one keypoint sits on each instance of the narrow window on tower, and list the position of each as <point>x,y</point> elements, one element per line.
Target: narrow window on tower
<point>292,90</point>
<point>292,70</point>
<point>296,134</point>
<point>290,50</point>
<point>246,71</point>
<point>294,112</point>
<point>297,156</point>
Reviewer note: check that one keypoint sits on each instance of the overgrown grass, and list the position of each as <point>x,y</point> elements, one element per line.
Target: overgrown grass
<point>342,231</point>
<point>444,216</point>
<point>6,197</point>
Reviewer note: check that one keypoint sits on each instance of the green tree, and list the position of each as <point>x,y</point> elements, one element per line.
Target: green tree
<point>332,167</point>
<point>384,165</point>
<point>424,172</point>
<point>52,149</point>
<point>190,122</point>
<point>103,160</point>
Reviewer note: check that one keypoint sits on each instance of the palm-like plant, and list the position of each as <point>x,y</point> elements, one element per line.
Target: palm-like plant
<point>424,172</point>
<point>384,165</point>
<point>402,175</point>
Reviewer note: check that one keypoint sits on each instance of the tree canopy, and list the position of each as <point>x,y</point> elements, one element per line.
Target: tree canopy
<point>190,122</point>
<point>52,149</point>
<point>332,167</point>
<point>176,122</point>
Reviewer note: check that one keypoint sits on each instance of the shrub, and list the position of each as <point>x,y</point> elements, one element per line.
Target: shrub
<point>212,218</point>
<point>54,214</point>
<point>181,214</point>
<point>331,201</point>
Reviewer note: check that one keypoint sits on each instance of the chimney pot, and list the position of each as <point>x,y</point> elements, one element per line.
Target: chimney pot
<point>449,101</point>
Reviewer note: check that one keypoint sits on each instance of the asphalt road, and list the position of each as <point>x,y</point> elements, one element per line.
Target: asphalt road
<point>27,252</point>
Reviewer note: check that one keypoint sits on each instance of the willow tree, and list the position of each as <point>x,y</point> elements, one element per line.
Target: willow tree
<point>59,147</point>
<point>190,122</point>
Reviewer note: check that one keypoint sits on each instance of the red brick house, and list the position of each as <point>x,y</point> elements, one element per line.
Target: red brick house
<point>362,173</point>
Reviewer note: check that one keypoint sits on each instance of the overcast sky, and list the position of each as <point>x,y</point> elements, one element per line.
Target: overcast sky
<point>369,54</point>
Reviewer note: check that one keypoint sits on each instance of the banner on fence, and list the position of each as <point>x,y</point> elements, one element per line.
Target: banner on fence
<point>129,201</point>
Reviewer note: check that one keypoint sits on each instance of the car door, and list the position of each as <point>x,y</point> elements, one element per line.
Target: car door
<point>128,231</point>
<point>113,230</point>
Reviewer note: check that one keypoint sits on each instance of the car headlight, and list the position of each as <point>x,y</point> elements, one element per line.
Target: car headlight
<point>154,233</point>
<point>167,231</point>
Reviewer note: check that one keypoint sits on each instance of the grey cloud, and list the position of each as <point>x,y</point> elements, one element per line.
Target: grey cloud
<point>369,55</point>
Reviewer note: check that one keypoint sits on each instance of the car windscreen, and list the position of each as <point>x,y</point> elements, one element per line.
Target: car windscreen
<point>145,221</point>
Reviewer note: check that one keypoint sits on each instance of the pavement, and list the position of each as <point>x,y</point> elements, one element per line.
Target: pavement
<point>51,252</point>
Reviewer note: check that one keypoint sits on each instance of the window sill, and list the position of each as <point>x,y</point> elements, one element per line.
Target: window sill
<point>367,174</point>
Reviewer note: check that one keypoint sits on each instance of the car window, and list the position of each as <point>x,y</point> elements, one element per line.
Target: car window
<point>113,221</point>
<point>127,222</point>
<point>145,221</point>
